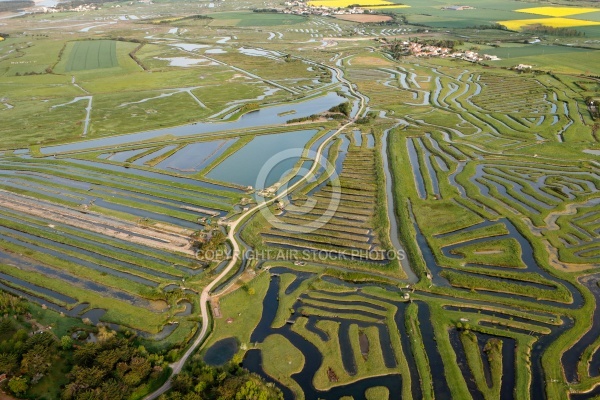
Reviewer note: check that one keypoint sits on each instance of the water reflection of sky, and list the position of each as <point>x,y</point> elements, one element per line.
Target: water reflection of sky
<point>244,166</point>
<point>266,116</point>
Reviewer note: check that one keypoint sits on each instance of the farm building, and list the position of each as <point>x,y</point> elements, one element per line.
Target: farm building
<point>458,8</point>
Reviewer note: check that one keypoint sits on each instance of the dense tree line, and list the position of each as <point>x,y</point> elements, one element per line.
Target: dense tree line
<point>190,17</point>
<point>539,29</point>
<point>266,10</point>
<point>488,26</point>
<point>449,43</point>
<point>338,112</point>
<point>312,117</point>
<point>26,355</point>
<point>249,107</point>
<point>202,382</point>
<point>112,367</point>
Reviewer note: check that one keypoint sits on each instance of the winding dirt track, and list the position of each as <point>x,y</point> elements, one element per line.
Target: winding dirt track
<point>205,295</point>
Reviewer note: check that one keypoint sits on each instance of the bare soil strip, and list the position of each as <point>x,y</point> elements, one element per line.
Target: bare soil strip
<point>159,237</point>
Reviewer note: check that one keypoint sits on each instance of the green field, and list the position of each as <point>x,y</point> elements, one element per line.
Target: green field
<point>92,54</point>
<point>244,19</point>
<point>564,58</point>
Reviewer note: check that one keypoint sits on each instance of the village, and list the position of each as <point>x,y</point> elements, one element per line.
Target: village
<point>424,50</point>
<point>301,8</point>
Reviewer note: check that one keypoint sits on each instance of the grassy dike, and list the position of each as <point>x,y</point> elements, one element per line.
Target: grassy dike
<point>281,359</point>
<point>119,312</point>
<point>418,350</point>
<point>494,356</point>
<point>409,188</point>
<point>245,319</point>
<point>403,187</point>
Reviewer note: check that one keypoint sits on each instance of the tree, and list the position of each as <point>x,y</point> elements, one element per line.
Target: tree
<point>8,363</point>
<point>132,378</point>
<point>200,387</point>
<point>44,339</point>
<point>247,387</point>
<point>140,366</point>
<point>192,396</point>
<point>183,383</point>
<point>87,377</point>
<point>113,390</point>
<point>86,354</point>
<point>66,342</point>
<point>88,395</point>
<point>6,325</point>
<point>20,336</point>
<point>107,359</point>
<point>18,385</point>
<point>105,334</point>
<point>251,391</point>
<point>213,242</point>
<point>36,361</point>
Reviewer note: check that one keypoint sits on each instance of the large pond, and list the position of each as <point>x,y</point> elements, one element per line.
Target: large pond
<point>265,116</point>
<point>194,157</point>
<point>121,156</point>
<point>221,352</point>
<point>244,166</point>
<point>153,155</point>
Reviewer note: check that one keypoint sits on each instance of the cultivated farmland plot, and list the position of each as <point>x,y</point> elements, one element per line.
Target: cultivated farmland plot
<point>92,54</point>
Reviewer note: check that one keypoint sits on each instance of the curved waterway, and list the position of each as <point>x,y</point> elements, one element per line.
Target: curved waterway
<point>391,208</point>
<point>253,360</point>
<point>571,357</point>
<point>265,116</point>
<point>527,257</point>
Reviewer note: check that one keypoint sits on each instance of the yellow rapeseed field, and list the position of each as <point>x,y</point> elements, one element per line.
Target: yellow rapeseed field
<point>557,11</point>
<point>517,24</point>
<point>363,3</point>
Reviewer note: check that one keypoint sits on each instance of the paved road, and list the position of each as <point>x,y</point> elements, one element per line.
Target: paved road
<point>205,295</point>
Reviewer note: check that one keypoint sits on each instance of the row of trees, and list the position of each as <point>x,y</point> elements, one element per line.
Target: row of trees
<point>539,29</point>
<point>483,27</point>
<point>312,117</point>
